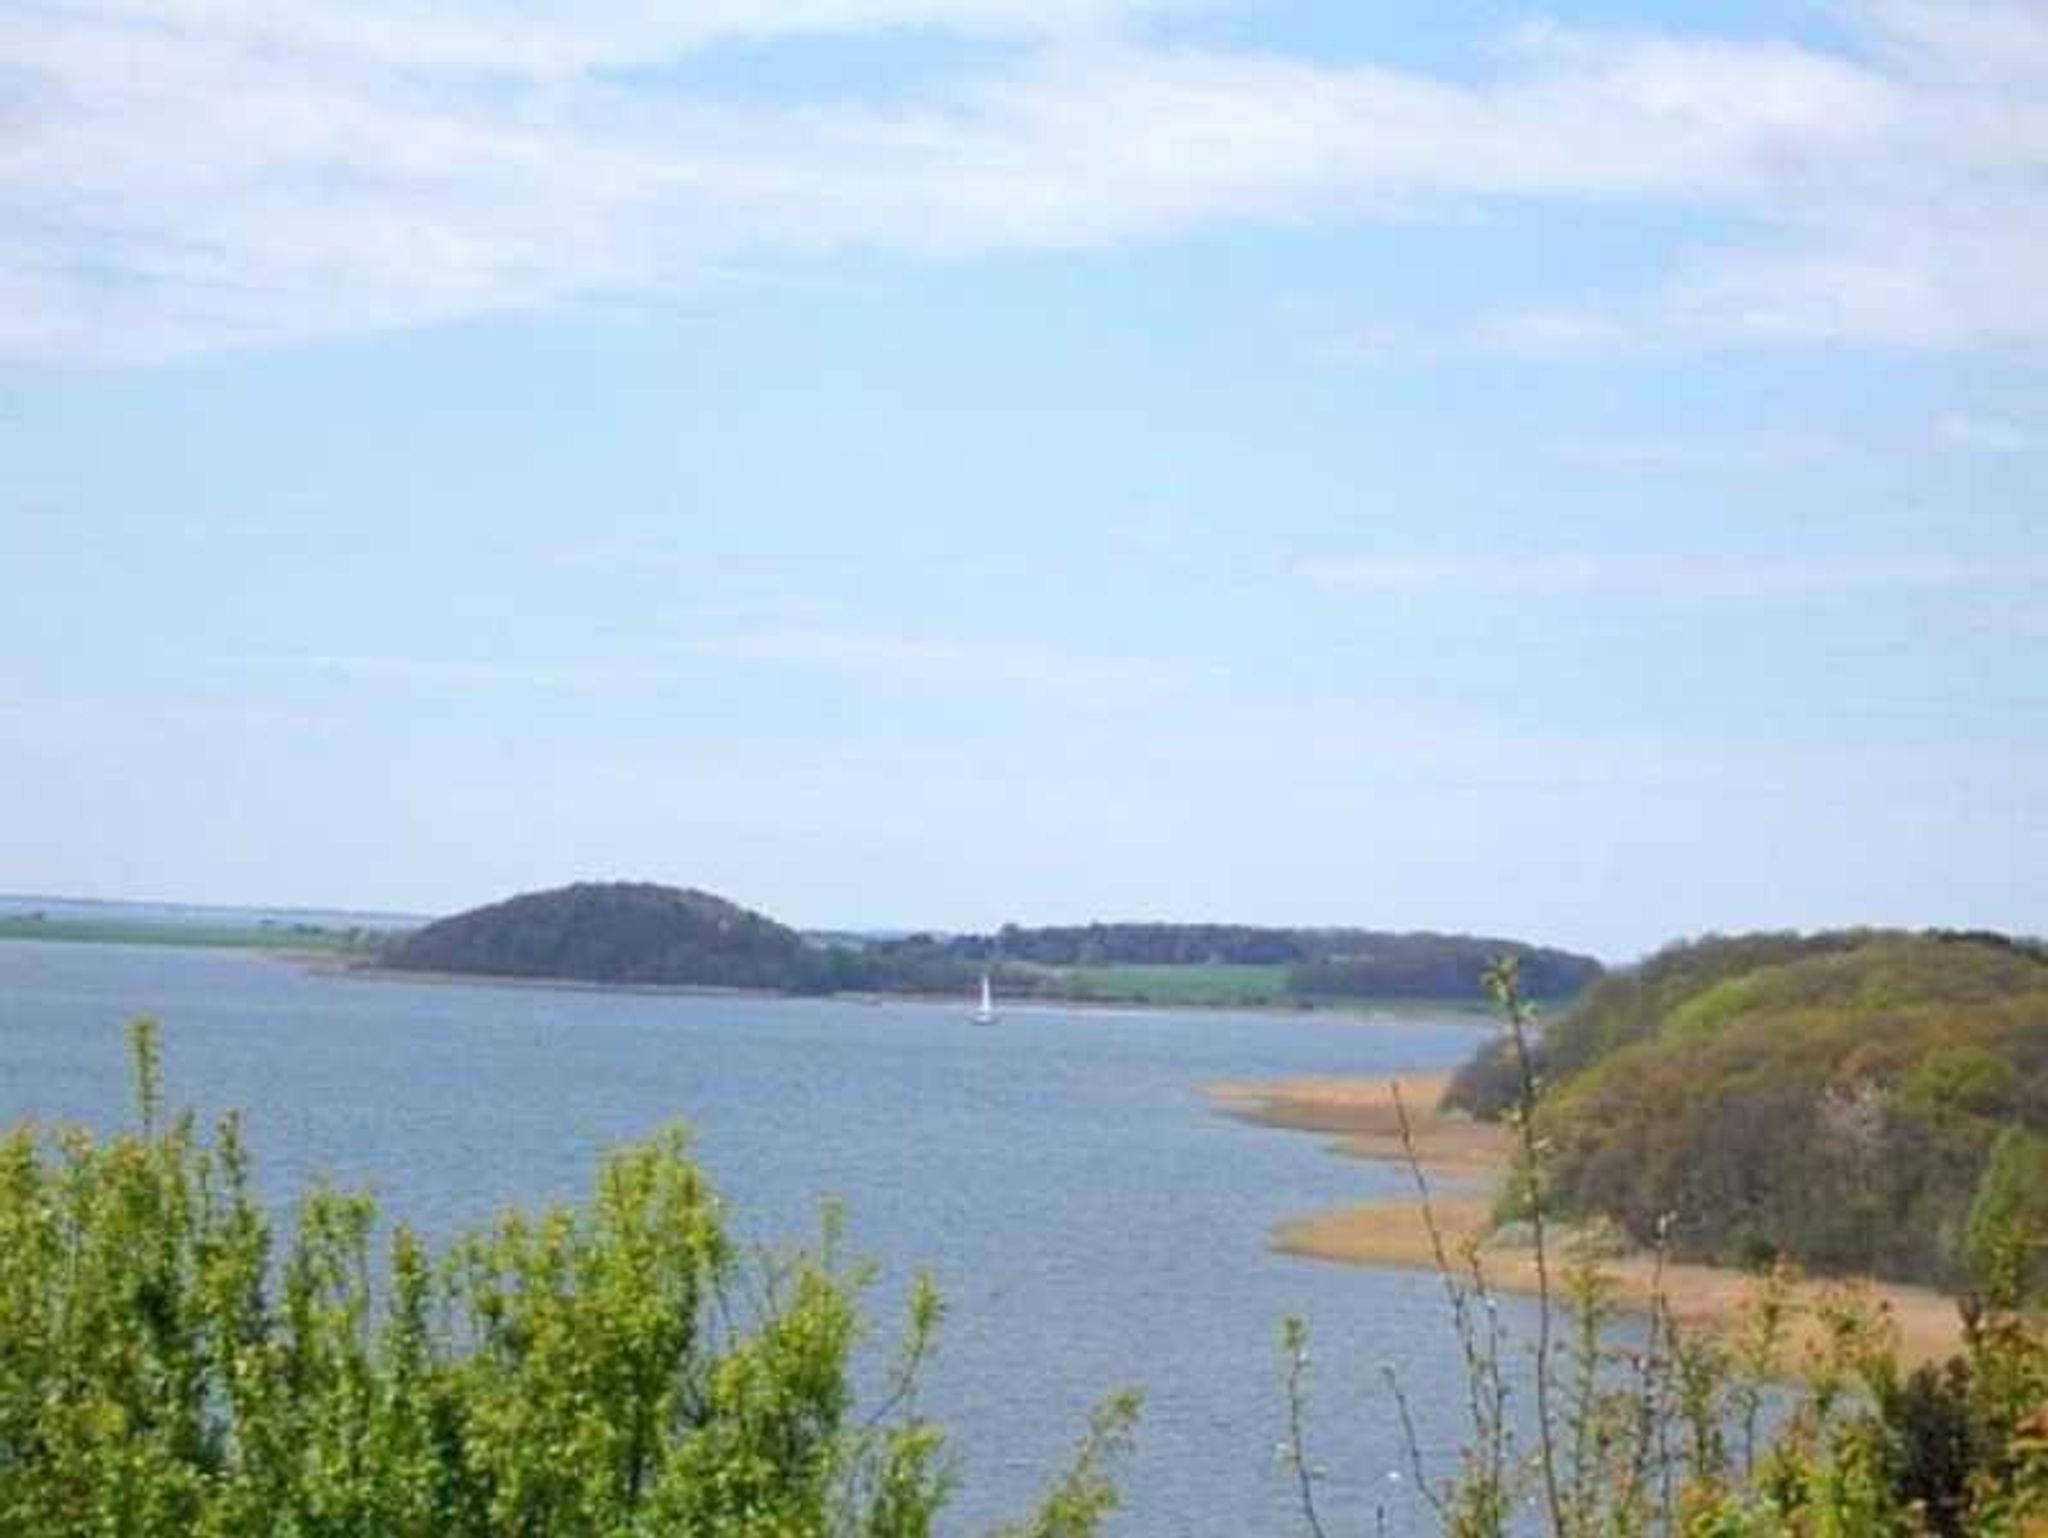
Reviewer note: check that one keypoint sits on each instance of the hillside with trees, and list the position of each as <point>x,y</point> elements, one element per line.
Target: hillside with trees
<point>619,932</point>
<point>1857,1101</point>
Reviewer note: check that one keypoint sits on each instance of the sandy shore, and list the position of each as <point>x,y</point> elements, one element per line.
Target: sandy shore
<point>1464,1162</point>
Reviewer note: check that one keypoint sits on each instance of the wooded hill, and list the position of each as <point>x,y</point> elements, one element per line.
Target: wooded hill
<point>618,932</point>
<point>1856,1101</point>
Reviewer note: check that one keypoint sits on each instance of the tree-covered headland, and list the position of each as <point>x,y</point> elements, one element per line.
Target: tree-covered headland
<point>1858,1101</point>
<point>1667,1429</point>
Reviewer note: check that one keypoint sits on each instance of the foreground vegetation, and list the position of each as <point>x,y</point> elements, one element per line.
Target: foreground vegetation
<point>168,1368</point>
<point>1857,1102</point>
<point>1668,1432</point>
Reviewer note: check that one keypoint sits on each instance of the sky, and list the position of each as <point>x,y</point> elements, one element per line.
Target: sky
<point>1575,473</point>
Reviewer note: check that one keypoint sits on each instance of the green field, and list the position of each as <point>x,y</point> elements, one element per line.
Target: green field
<point>1215,983</point>
<point>1207,984</point>
<point>115,931</point>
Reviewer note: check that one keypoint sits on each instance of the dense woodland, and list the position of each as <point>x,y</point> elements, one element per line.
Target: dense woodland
<point>1856,1101</point>
<point>643,934</point>
<point>618,932</point>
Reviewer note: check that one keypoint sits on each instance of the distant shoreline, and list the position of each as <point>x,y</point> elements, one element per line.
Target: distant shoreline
<point>1465,1162</point>
<point>306,939</point>
<point>334,955</point>
<point>1448,1011</point>
<point>601,930</point>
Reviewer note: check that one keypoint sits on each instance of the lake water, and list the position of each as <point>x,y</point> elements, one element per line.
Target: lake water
<point>1091,1222</point>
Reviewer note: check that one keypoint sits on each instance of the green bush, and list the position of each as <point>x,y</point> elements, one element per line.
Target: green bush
<point>620,1367</point>
<point>2005,1240</point>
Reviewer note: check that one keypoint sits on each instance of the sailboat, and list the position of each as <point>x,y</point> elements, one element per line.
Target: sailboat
<point>986,1014</point>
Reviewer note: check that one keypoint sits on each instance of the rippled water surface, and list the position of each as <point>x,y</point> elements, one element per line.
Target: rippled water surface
<point>1091,1222</point>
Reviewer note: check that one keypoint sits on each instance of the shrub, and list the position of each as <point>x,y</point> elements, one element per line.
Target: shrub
<point>620,1367</point>
<point>2005,1240</point>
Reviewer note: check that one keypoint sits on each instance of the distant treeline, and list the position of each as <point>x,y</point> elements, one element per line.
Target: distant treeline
<point>1318,963</point>
<point>636,933</point>
<point>1856,1101</point>
<point>118,925</point>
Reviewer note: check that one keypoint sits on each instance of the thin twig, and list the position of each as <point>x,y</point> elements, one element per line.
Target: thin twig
<point>1436,1502</point>
<point>903,1373</point>
<point>1504,984</point>
<point>1295,1337</point>
<point>1497,1445</point>
<point>1650,1411</point>
<point>1460,1300</point>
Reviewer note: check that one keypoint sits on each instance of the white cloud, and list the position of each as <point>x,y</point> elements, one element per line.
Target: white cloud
<point>190,175</point>
<point>1673,577</point>
<point>966,664</point>
<point>2029,623</point>
<point>1987,42</point>
<point>1946,277</point>
<point>1733,451</point>
<point>1993,435</point>
<point>458,672</point>
<point>1920,221</point>
<point>556,38</point>
<point>925,660</point>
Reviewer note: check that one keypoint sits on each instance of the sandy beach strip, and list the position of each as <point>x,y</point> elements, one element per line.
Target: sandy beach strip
<point>1464,1162</point>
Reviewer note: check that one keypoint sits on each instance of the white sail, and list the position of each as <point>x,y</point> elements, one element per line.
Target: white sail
<point>987,1013</point>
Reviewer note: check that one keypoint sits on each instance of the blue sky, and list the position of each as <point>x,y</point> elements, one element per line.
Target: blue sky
<point>1573,473</point>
